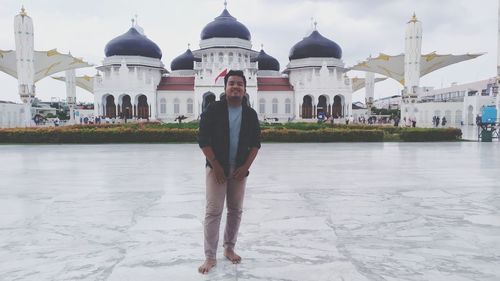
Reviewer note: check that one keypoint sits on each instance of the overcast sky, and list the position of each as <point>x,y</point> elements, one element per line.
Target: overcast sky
<point>360,27</point>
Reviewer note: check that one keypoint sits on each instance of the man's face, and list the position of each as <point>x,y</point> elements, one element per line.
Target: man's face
<point>235,90</point>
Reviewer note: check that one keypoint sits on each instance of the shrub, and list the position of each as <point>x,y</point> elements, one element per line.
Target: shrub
<point>165,133</point>
<point>425,134</point>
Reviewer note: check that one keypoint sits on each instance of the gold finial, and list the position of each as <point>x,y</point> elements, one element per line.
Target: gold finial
<point>23,11</point>
<point>413,18</point>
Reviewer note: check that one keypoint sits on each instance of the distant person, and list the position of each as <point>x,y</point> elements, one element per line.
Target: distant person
<point>229,137</point>
<point>478,120</point>
<point>396,121</point>
<point>443,122</point>
<point>437,121</point>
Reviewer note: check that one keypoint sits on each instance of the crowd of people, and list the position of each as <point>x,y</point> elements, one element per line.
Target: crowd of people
<point>91,120</point>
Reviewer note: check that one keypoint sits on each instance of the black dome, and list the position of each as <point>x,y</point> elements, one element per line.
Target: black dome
<point>184,61</point>
<point>315,46</point>
<point>266,62</point>
<point>225,26</point>
<point>132,43</point>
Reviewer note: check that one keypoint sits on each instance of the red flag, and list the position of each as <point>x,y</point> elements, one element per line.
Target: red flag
<point>222,74</point>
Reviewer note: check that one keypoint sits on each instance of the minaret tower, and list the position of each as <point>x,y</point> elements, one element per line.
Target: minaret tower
<point>413,51</point>
<point>23,28</point>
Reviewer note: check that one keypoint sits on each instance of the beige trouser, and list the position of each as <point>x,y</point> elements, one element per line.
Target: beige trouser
<point>216,193</point>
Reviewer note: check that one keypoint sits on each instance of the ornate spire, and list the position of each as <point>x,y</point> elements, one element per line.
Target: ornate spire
<point>133,22</point>
<point>315,26</point>
<point>23,11</point>
<point>189,46</point>
<point>413,18</point>
<point>262,46</point>
<point>225,4</point>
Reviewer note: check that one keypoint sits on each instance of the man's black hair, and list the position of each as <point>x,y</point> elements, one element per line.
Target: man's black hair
<point>235,73</point>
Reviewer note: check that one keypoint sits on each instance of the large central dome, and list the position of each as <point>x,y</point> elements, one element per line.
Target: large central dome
<point>225,26</point>
<point>132,43</point>
<point>315,46</point>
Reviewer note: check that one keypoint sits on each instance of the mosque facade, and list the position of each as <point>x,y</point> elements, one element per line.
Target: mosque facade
<point>134,83</point>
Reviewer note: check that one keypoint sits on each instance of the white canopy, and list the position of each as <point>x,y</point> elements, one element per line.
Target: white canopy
<point>393,66</point>
<point>359,83</point>
<point>85,82</point>
<point>46,63</point>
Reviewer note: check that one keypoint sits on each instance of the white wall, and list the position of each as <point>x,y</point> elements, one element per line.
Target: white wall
<point>12,115</point>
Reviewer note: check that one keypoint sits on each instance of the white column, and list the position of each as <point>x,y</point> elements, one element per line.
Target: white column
<point>71,94</point>
<point>369,90</point>
<point>413,52</point>
<point>23,31</point>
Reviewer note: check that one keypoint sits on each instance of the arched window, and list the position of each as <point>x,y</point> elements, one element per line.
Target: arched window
<point>176,106</point>
<point>288,106</point>
<point>221,57</point>
<point>230,57</point>
<point>458,117</point>
<point>190,106</point>
<point>262,106</point>
<point>163,106</point>
<point>275,106</point>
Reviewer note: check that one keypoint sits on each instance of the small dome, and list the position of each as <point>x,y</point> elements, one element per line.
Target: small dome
<point>184,61</point>
<point>132,43</point>
<point>315,46</point>
<point>225,26</point>
<point>266,62</point>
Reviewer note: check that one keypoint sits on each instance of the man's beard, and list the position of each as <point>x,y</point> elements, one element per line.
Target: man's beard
<point>235,98</point>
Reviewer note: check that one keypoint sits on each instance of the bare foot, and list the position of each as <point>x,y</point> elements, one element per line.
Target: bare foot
<point>207,265</point>
<point>232,256</point>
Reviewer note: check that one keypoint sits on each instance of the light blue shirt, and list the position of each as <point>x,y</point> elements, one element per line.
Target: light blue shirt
<point>234,132</point>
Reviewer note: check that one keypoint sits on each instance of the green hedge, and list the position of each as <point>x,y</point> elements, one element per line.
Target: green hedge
<point>158,133</point>
<point>424,134</point>
<point>97,135</point>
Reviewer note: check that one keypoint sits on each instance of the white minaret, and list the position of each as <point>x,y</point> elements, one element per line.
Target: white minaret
<point>71,93</point>
<point>23,29</point>
<point>413,53</point>
<point>369,90</point>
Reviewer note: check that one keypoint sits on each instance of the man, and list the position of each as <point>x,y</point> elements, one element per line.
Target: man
<point>229,137</point>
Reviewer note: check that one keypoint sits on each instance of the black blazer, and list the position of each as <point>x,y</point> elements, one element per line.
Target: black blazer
<point>214,132</point>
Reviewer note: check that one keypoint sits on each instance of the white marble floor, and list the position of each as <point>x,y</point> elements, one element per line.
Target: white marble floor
<point>393,211</point>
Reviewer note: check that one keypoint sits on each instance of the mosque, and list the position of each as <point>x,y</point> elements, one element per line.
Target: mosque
<point>134,82</point>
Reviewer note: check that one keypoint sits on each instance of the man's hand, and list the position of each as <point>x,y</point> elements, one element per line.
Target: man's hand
<point>240,173</point>
<point>220,178</point>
